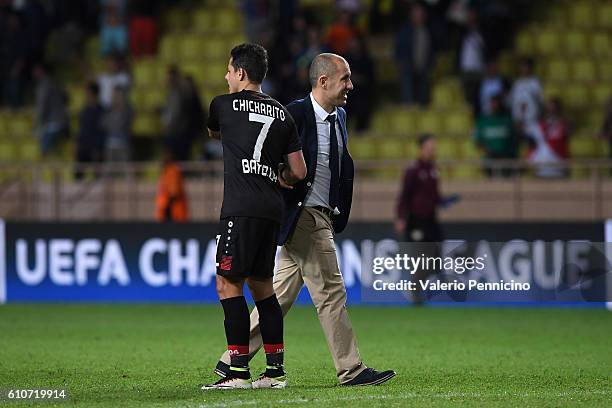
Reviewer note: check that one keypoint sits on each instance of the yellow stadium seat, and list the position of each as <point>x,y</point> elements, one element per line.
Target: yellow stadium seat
<point>363,148</point>
<point>177,19</point>
<point>153,98</point>
<point>431,122</point>
<point>192,47</point>
<point>469,150</point>
<point>29,151</point>
<point>582,146</point>
<point>215,47</point>
<point>169,48</point>
<point>227,20</point>
<point>20,125</point>
<point>604,12</point>
<point>203,20</point>
<point>548,42</point>
<point>8,150</point>
<point>576,96</point>
<point>196,70</point>
<point>459,124</point>
<point>558,70</point>
<point>145,73</point>
<point>443,97</point>
<point>605,70</point>
<point>575,42</point>
<point>465,171</point>
<point>403,122</point>
<point>602,147</point>
<point>446,149</point>
<point>582,14</point>
<point>553,89</point>
<point>601,44</point>
<point>524,43</point>
<point>601,93</point>
<point>214,73</point>
<point>584,70</point>
<point>146,125</point>
<point>393,148</point>
<point>381,123</point>
<point>76,99</point>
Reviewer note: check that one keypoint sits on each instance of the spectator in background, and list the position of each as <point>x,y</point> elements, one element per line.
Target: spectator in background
<point>171,202</point>
<point>195,116</point>
<point>113,34</point>
<point>341,32</point>
<point>550,141</point>
<point>118,76</point>
<point>51,114</point>
<point>493,84</point>
<point>17,54</point>
<point>117,125</point>
<point>606,127</point>
<point>495,136</point>
<point>417,208</point>
<point>526,95</point>
<point>472,61</point>
<point>174,117</point>
<point>91,137</point>
<point>362,75</point>
<point>414,53</point>
<point>143,27</point>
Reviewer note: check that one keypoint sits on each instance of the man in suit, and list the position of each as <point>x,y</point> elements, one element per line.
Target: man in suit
<point>315,209</point>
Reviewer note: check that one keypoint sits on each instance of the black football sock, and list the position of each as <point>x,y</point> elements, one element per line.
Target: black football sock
<point>237,333</point>
<point>271,326</point>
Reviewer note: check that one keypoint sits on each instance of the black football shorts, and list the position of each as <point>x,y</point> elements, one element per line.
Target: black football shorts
<point>246,247</point>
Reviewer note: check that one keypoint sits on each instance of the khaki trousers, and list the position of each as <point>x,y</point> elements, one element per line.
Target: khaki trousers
<point>310,257</point>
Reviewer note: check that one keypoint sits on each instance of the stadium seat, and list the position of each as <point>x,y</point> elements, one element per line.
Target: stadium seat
<point>76,99</point>
<point>403,122</point>
<point>145,73</point>
<point>558,70</point>
<point>604,12</point>
<point>459,124</point>
<point>203,20</point>
<point>8,150</point>
<point>524,43</point>
<point>363,148</point>
<point>601,44</point>
<point>469,150</point>
<point>154,98</point>
<point>443,97</point>
<point>605,70</point>
<point>431,122</point>
<point>169,48</point>
<point>584,70</point>
<point>582,146</point>
<point>214,73</point>
<point>215,47</point>
<point>196,70</point>
<point>582,14</point>
<point>576,96</point>
<point>177,19</point>
<point>601,93</point>
<point>393,148</point>
<point>192,47</point>
<point>465,171</point>
<point>29,150</point>
<point>548,42</point>
<point>226,20</point>
<point>447,149</point>
<point>575,42</point>
<point>553,89</point>
<point>21,126</point>
<point>146,125</point>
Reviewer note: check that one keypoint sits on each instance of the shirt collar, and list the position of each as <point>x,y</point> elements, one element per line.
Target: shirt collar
<point>320,112</point>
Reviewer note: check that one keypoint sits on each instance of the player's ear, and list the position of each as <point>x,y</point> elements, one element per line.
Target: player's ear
<point>242,74</point>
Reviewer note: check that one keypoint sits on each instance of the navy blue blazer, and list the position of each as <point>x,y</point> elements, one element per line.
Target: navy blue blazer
<point>304,117</point>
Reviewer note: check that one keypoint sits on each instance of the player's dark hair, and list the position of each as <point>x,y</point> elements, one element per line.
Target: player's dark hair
<point>253,58</point>
<point>423,138</point>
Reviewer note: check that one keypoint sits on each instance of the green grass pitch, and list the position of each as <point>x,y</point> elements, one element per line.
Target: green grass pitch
<point>160,355</point>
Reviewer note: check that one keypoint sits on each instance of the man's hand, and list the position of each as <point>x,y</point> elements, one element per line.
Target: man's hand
<point>214,135</point>
<point>281,180</point>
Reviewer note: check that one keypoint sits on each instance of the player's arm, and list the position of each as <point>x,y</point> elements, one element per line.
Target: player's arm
<point>214,130</point>
<point>295,168</point>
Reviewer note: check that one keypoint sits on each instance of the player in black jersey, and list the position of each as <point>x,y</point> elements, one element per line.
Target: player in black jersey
<point>259,140</point>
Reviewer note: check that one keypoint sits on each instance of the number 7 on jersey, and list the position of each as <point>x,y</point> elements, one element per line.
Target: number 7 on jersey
<point>267,122</point>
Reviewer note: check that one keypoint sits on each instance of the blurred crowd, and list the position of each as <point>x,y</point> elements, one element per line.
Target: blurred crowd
<point>38,35</point>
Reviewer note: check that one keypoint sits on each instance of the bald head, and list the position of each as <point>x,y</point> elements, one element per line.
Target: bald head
<point>327,64</point>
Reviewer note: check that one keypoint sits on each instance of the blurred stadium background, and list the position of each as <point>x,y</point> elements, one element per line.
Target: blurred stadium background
<point>78,43</point>
<point>81,174</point>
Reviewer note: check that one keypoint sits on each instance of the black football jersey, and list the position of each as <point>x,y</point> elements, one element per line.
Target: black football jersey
<point>256,132</point>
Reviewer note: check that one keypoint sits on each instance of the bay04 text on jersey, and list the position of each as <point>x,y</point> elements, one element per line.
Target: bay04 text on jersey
<point>254,167</point>
<point>262,108</point>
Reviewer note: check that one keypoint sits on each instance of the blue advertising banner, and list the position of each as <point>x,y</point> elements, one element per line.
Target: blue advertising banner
<point>149,262</point>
